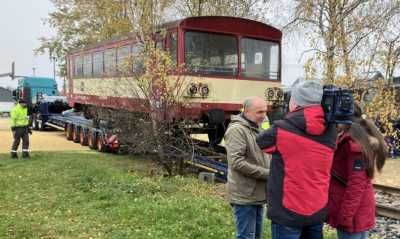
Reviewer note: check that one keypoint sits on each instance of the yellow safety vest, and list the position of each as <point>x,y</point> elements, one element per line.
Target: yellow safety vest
<point>19,116</point>
<point>265,124</point>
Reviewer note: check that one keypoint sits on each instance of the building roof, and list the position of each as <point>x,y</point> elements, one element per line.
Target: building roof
<point>371,76</point>
<point>396,80</point>
<point>6,95</point>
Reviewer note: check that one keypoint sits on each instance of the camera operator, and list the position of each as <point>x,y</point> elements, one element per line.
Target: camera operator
<point>302,147</point>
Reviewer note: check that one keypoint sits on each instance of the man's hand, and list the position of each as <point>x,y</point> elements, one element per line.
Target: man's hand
<point>30,131</point>
<point>13,128</point>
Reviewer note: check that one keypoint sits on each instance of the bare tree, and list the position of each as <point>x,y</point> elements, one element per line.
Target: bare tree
<point>253,9</point>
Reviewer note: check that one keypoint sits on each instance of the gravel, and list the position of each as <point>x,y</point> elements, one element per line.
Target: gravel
<point>386,228</point>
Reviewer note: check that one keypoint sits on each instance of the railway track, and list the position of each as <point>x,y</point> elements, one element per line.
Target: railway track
<point>388,201</point>
<point>214,161</point>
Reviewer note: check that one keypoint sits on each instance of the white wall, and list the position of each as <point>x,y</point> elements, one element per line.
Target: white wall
<point>6,106</point>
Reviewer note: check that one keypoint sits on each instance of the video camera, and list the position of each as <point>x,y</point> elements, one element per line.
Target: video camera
<point>338,104</point>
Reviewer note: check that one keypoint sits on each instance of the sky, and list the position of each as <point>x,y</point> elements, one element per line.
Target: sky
<point>21,24</point>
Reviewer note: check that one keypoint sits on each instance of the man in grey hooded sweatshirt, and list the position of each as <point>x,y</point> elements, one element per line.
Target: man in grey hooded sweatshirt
<point>248,169</point>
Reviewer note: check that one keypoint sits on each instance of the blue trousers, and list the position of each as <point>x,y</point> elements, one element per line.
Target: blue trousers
<point>249,221</point>
<point>346,235</point>
<point>284,232</point>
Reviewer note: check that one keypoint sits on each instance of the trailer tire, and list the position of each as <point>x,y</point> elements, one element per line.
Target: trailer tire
<point>68,131</point>
<point>101,147</point>
<point>40,125</point>
<point>35,123</point>
<point>83,137</point>
<point>75,134</point>
<point>92,140</point>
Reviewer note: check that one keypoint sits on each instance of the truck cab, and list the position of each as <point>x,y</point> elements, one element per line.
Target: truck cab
<point>32,88</point>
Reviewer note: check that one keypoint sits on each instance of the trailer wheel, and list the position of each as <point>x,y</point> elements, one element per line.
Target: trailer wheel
<point>35,123</point>
<point>92,140</point>
<point>83,137</point>
<point>216,134</point>
<point>40,125</point>
<point>101,147</point>
<point>75,135</point>
<point>68,131</point>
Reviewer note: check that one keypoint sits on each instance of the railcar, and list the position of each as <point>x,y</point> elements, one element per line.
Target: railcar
<point>227,59</point>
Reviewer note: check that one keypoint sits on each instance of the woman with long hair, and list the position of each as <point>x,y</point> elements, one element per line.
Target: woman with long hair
<point>361,150</point>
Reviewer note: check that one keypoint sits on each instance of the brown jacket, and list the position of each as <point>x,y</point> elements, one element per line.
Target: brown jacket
<point>248,165</point>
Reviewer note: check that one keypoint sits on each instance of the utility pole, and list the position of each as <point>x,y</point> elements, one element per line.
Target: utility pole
<point>54,67</point>
<point>11,74</point>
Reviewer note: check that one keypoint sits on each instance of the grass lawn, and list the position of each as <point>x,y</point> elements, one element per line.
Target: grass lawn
<point>91,195</point>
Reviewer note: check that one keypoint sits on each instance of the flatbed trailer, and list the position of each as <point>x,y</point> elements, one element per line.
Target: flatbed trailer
<point>76,127</point>
<point>81,130</point>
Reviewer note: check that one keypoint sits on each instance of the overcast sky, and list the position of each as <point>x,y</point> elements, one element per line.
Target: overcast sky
<point>21,24</point>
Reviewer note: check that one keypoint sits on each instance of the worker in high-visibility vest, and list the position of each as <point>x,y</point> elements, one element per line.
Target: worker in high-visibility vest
<point>20,129</point>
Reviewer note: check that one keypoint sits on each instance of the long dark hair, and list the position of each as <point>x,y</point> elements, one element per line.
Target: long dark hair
<point>371,141</point>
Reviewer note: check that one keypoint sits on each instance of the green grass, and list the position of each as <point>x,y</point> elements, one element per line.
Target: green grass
<point>91,195</point>
<point>88,195</point>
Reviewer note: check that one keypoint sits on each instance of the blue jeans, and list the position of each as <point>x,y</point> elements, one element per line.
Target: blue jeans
<point>284,232</point>
<point>249,221</point>
<point>347,235</point>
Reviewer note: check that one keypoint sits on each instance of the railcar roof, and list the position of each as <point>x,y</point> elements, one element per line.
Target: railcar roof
<point>223,24</point>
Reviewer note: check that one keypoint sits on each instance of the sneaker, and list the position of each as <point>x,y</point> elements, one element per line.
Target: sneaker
<point>14,155</point>
<point>25,155</point>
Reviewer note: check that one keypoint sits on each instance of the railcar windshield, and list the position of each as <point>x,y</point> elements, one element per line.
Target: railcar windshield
<point>211,54</point>
<point>259,59</point>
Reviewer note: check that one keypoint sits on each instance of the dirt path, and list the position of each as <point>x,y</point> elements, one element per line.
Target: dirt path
<point>39,141</point>
<point>55,141</point>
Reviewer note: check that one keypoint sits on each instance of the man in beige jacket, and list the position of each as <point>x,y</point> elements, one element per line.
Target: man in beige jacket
<point>248,169</point>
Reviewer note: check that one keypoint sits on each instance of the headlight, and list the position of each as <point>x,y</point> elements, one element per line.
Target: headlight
<point>204,90</point>
<point>270,94</point>
<point>273,94</point>
<point>192,90</point>
<point>279,94</point>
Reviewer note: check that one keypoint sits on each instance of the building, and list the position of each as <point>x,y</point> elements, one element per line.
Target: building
<point>7,101</point>
<point>396,81</point>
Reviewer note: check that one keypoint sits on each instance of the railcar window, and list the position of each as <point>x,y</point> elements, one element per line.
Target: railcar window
<point>159,45</point>
<point>87,65</point>
<point>210,54</point>
<point>122,59</point>
<point>259,59</point>
<point>137,59</point>
<point>173,44</point>
<point>98,66</point>
<point>110,61</point>
<point>78,66</point>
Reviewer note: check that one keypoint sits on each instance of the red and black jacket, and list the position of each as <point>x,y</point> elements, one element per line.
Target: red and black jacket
<point>302,147</point>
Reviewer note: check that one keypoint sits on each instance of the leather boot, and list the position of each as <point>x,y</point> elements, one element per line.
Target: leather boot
<point>14,155</point>
<point>25,155</point>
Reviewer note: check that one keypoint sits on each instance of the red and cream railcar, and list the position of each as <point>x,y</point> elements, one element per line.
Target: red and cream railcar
<point>227,59</point>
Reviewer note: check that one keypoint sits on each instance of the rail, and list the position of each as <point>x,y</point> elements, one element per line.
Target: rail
<point>386,211</point>
<point>387,189</point>
<point>388,194</point>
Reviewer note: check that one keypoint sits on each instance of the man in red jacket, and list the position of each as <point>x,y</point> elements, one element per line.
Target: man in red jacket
<point>302,147</point>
